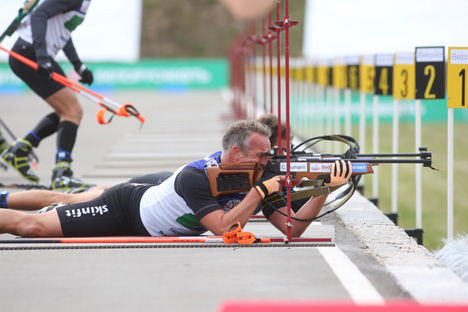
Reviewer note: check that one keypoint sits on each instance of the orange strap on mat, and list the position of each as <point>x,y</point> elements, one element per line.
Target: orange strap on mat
<point>246,238</point>
<point>237,236</point>
<point>231,236</point>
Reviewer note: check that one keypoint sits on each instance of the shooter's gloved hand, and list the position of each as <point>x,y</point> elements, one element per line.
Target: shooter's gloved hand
<point>85,73</point>
<point>268,183</point>
<point>45,67</point>
<point>340,173</point>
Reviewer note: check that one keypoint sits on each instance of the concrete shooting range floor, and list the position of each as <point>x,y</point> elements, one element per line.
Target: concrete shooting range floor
<point>368,261</point>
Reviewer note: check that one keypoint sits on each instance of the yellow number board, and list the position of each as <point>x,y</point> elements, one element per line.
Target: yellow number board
<point>383,81</point>
<point>323,74</point>
<point>339,73</point>
<point>309,74</point>
<point>456,78</point>
<point>366,74</point>
<point>404,76</point>
<point>430,73</point>
<point>352,72</point>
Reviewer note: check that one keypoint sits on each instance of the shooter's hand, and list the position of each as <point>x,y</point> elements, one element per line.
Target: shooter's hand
<point>340,173</point>
<point>267,186</point>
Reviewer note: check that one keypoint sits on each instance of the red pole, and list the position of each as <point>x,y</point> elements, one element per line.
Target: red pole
<point>288,144</point>
<point>278,55</point>
<point>270,35</point>
<point>254,65</point>
<point>264,66</point>
<point>248,74</point>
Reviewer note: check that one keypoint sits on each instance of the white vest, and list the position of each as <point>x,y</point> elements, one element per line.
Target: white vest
<point>59,28</point>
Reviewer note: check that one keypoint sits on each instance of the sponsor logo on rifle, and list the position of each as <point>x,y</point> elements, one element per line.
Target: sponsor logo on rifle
<point>295,167</point>
<point>359,167</point>
<point>320,167</point>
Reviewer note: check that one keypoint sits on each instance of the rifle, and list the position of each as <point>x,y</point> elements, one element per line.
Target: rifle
<point>309,170</point>
<point>16,23</point>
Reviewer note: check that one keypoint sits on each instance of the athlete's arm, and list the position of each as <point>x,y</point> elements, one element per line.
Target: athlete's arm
<point>80,68</point>
<point>71,54</point>
<point>219,222</point>
<point>309,210</point>
<point>193,186</point>
<point>222,223</point>
<point>266,186</point>
<point>341,172</point>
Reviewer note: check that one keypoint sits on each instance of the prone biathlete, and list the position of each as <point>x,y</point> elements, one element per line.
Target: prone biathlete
<point>183,205</point>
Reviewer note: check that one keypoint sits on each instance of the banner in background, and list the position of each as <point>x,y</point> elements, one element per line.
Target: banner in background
<point>160,74</point>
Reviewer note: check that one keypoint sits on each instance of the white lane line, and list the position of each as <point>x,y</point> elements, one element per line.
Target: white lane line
<point>355,283</point>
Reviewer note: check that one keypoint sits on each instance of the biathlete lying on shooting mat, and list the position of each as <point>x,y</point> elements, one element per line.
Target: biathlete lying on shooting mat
<point>37,199</point>
<point>182,205</point>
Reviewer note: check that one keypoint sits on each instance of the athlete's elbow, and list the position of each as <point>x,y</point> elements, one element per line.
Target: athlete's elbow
<point>217,232</point>
<point>297,232</point>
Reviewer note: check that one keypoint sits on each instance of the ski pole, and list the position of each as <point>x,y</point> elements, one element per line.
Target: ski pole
<point>121,110</point>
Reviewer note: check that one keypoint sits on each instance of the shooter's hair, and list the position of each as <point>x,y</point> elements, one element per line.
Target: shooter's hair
<point>238,134</point>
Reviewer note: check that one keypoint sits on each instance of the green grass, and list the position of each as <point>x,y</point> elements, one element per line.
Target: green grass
<point>434,183</point>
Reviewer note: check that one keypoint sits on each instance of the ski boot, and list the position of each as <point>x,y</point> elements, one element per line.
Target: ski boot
<point>17,157</point>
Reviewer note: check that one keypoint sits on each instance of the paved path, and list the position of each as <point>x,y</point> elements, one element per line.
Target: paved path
<point>372,261</point>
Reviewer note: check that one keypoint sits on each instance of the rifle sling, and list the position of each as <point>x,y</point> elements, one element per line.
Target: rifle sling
<point>316,191</point>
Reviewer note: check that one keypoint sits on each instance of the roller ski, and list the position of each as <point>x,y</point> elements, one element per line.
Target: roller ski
<point>62,176</point>
<point>17,157</point>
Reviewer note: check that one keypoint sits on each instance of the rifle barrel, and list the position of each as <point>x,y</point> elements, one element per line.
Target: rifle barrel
<point>367,158</point>
<point>360,160</point>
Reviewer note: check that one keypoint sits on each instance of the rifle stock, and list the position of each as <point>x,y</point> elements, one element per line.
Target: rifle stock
<point>232,178</point>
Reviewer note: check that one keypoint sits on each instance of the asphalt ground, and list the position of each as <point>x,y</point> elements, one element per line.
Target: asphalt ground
<point>369,260</point>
